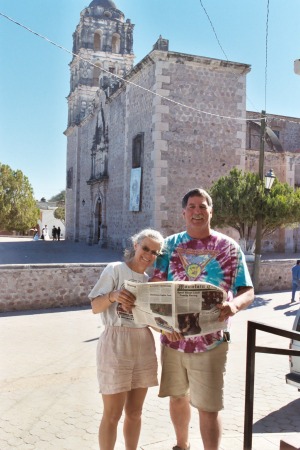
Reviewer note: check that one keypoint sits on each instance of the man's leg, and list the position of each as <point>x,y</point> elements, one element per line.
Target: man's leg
<point>294,289</point>
<point>210,429</point>
<point>180,412</point>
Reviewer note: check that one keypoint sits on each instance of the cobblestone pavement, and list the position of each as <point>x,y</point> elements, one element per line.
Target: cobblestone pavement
<point>48,387</point>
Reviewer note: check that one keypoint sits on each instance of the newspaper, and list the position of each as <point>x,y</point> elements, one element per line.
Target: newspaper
<point>188,307</point>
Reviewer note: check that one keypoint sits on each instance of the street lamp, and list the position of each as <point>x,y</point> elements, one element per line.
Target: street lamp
<point>269,180</point>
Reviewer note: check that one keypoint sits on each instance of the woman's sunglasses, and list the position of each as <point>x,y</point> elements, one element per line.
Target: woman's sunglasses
<point>148,250</point>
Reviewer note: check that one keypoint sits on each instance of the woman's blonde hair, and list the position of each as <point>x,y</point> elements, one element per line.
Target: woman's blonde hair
<point>139,237</point>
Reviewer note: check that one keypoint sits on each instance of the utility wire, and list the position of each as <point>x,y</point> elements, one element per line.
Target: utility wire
<point>213,28</point>
<point>242,119</point>
<point>254,119</point>
<point>266,64</point>
<point>215,33</point>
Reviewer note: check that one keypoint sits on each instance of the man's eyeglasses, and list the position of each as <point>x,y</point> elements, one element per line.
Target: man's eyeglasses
<point>148,250</point>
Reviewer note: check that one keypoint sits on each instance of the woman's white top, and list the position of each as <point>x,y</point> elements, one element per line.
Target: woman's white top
<point>111,279</point>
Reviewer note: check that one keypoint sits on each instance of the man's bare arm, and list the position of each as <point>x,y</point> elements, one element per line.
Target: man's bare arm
<point>242,300</point>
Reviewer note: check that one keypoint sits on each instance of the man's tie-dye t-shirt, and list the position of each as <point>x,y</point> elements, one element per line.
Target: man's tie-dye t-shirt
<point>216,259</point>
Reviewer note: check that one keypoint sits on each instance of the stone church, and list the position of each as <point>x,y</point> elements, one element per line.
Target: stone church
<point>139,136</point>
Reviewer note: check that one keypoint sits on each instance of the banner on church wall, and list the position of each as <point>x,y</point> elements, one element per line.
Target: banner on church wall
<point>135,189</point>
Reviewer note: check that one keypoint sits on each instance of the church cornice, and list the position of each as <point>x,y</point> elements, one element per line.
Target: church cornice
<point>70,130</point>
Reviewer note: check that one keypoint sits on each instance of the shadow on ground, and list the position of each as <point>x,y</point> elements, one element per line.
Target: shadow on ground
<point>269,424</point>
<point>259,301</point>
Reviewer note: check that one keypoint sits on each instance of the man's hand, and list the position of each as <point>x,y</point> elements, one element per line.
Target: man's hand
<point>227,309</point>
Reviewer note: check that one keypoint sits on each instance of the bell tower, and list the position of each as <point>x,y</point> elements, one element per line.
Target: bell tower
<point>102,40</point>
<point>102,47</point>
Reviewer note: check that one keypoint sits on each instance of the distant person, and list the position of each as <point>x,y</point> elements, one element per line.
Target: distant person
<point>295,279</point>
<point>54,233</point>
<point>58,233</point>
<point>126,357</point>
<point>35,234</point>
<point>45,233</point>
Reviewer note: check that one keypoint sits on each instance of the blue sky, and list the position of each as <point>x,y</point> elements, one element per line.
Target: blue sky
<point>34,78</point>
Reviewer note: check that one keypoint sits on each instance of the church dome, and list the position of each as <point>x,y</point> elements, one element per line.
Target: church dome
<point>107,4</point>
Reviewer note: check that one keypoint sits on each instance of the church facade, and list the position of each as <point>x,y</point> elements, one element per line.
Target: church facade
<point>140,136</point>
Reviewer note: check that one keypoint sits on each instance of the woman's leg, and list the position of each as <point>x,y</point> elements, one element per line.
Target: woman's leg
<point>113,407</point>
<point>133,412</point>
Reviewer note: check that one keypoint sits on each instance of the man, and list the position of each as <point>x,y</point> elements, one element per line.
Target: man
<point>54,233</point>
<point>295,279</point>
<point>193,369</point>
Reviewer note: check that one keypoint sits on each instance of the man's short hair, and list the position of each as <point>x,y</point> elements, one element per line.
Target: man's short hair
<point>298,261</point>
<point>197,192</point>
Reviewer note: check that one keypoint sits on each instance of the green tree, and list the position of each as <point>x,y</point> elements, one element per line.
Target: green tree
<point>59,198</point>
<point>18,210</point>
<point>59,213</point>
<point>239,197</point>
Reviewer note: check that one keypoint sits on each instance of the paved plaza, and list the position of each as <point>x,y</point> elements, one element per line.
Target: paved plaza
<point>49,396</point>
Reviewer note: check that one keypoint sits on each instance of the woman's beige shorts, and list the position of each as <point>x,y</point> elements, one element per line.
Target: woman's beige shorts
<point>126,360</point>
<point>199,375</point>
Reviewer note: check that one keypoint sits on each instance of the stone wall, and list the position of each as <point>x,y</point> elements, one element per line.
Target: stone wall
<point>41,286</point>
<point>201,147</point>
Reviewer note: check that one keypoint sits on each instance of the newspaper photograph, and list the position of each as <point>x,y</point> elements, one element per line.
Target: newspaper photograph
<point>188,307</point>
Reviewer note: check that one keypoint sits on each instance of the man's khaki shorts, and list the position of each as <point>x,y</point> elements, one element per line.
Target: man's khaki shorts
<point>199,375</point>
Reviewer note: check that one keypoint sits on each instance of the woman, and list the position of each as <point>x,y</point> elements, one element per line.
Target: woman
<point>126,358</point>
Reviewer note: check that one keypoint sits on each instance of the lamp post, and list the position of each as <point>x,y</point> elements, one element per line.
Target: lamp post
<point>268,180</point>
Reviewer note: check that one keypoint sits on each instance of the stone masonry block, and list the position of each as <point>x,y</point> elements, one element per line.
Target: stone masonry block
<point>163,92</point>
<point>163,109</point>
<point>161,145</point>
<point>156,135</point>
<point>162,164</point>
<point>156,117</point>
<point>163,78</point>
<point>161,126</point>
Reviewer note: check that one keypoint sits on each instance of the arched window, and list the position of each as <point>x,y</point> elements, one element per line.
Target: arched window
<point>96,76</point>
<point>115,43</point>
<point>97,41</point>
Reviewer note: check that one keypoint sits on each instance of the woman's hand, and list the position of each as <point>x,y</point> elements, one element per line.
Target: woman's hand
<point>124,297</point>
<point>173,337</point>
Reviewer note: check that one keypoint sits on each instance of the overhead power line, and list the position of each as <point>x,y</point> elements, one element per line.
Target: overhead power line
<point>213,28</point>
<point>266,64</point>
<point>240,119</point>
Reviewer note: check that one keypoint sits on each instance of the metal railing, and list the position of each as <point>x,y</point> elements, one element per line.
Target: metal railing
<point>252,349</point>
